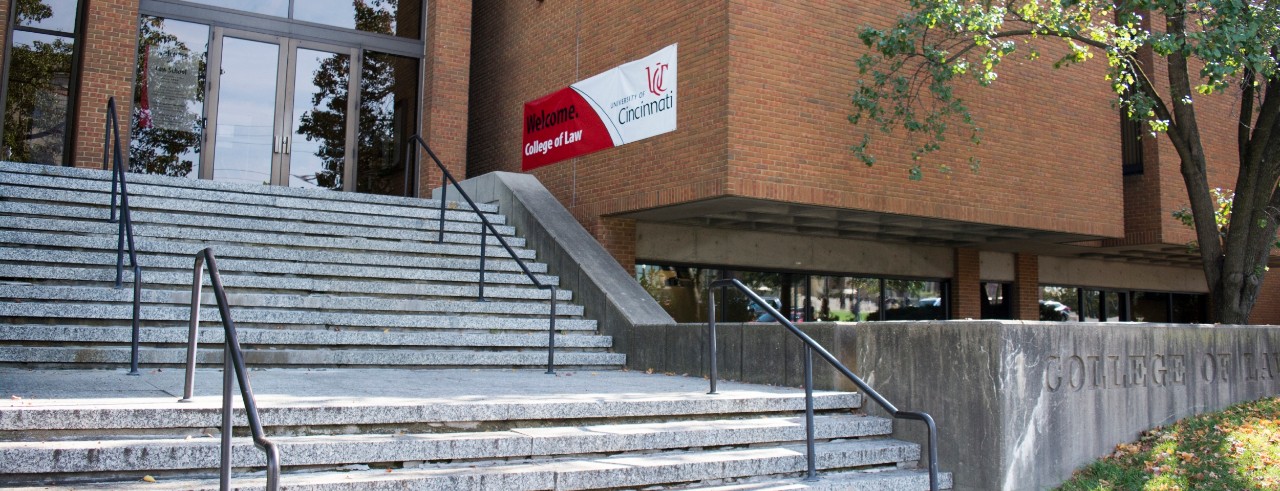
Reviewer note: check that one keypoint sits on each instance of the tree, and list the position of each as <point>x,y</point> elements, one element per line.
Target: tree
<point>1225,47</point>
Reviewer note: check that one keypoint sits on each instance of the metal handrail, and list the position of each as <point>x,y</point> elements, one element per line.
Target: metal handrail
<point>486,228</point>
<point>233,360</point>
<point>111,141</point>
<point>812,346</point>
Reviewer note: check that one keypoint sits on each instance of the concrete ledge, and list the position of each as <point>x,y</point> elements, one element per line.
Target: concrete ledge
<point>607,292</point>
<point>1020,405</point>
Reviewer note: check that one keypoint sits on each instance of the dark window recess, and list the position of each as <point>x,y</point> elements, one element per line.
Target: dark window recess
<point>1130,144</point>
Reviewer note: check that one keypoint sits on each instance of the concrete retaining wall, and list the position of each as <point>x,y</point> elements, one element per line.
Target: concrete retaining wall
<point>1019,405</point>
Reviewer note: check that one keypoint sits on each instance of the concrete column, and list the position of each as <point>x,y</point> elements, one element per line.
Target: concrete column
<point>109,45</point>
<point>1026,286</point>
<point>966,302</point>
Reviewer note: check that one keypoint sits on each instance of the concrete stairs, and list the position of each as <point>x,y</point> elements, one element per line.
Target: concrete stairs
<point>314,278</point>
<point>374,366</point>
<point>454,429</point>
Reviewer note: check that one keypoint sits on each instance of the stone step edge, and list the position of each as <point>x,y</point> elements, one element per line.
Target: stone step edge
<point>298,337</point>
<point>210,185</point>
<point>183,235</point>
<point>626,471</point>
<point>205,410</point>
<point>254,283</point>
<point>197,452</point>
<point>877,480</point>
<point>354,357</point>
<point>87,296</point>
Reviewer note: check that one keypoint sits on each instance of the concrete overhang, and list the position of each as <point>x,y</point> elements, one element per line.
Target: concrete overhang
<point>760,215</point>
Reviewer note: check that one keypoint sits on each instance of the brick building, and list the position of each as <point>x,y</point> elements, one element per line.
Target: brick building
<point>1061,220</point>
<point>757,181</point>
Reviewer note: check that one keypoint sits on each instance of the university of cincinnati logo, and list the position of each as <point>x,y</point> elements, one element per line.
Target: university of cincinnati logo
<point>656,75</point>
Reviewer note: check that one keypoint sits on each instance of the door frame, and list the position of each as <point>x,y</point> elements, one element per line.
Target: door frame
<point>285,86</point>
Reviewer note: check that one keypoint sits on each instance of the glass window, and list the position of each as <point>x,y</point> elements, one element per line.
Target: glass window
<point>388,117</point>
<point>37,104</point>
<point>913,300</point>
<point>1059,303</point>
<point>1150,307</point>
<point>1190,308</point>
<point>319,119</point>
<point>277,8</point>
<point>400,18</point>
<point>51,15</point>
<point>996,300</point>
<point>168,109</point>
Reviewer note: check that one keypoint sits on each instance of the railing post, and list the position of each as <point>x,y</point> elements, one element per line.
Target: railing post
<point>551,336</point>
<point>711,339</point>
<point>193,333</point>
<point>224,471</point>
<point>137,314</point>
<point>808,415</point>
<point>484,239</point>
<point>444,195</point>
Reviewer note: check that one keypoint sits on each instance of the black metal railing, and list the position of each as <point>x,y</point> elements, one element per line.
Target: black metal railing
<point>485,229</point>
<point>111,152</point>
<point>812,346</point>
<point>233,362</point>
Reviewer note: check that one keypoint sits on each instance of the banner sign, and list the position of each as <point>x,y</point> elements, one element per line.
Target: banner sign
<point>631,102</point>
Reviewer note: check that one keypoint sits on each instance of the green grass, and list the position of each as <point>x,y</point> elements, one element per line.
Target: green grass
<point>1235,449</point>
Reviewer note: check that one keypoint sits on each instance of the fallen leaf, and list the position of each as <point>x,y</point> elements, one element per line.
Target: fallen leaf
<point>16,398</point>
<point>148,479</point>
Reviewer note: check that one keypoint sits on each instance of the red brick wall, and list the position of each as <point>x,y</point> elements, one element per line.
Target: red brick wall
<point>618,236</point>
<point>524,50</point>
<point>110,45</point>
<point>764,101</point>
<point>966,285</point>
<point>445,90</point>
<point>1267,309</point>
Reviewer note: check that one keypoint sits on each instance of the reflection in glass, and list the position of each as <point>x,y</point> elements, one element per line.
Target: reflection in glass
<point>680,291</point>
<point>319,120</point>
<point>246,111</point>
<point>388,117</point>
<point>53,15</point>
<point>401,18</point>
<point>913,300</point>
<point>278,8</point>
<point>36,113</point>
<point>169,97</point>
<point>1058,303</point>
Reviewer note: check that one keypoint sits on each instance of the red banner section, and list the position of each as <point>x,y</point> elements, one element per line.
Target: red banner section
<point>561,126</point>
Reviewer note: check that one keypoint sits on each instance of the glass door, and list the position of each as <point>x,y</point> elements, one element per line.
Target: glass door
<point>280,111</point>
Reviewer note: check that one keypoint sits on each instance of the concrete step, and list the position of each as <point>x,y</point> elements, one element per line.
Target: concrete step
<point>336,357</point>
<point>249,317</point>
<point>312,303</point>
<point>150,455</point>
<point>102,200</point>
<point>19,258</point>
<point>170,279</point>
<point>156,247</point>
<point>106,402</point>
<point>623,471</point>
<point>51,176</point>
<point>301,240</point>
<point>70,335</point>
<point>879,480</point>
<point>455,232</point>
